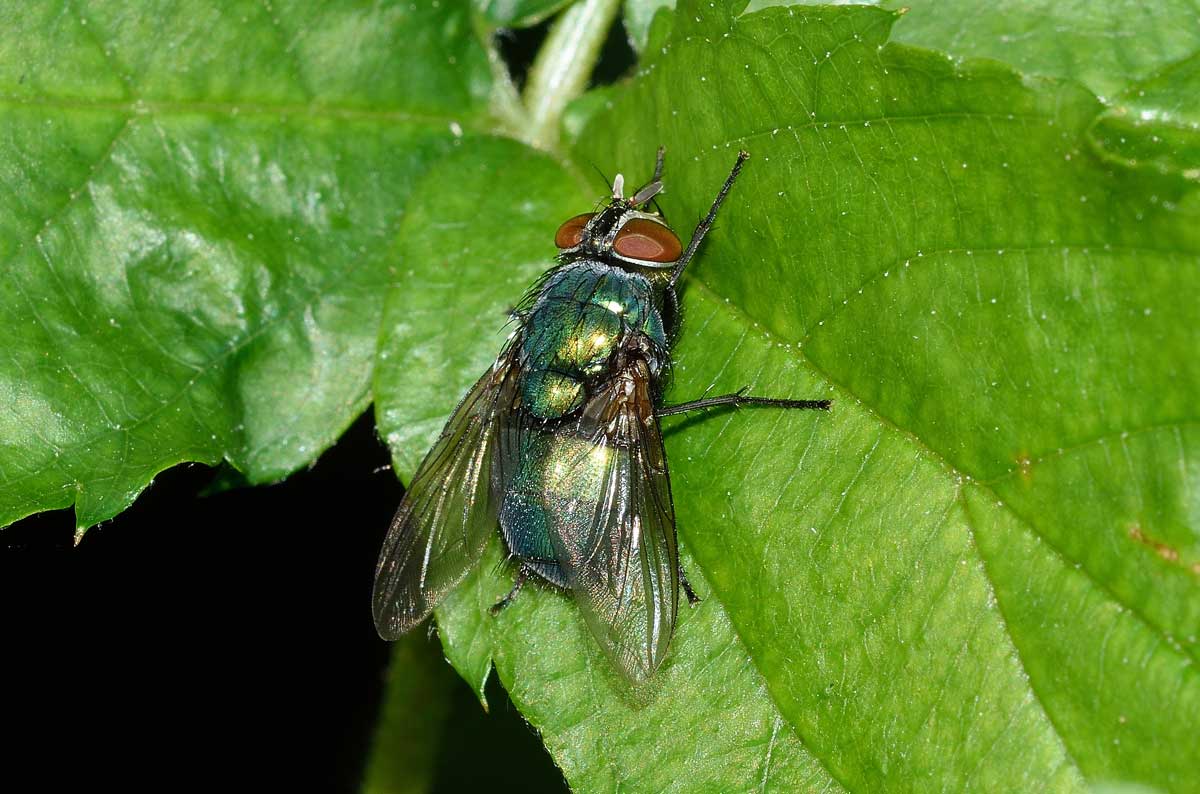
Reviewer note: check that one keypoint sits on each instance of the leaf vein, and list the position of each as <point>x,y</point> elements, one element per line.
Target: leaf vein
<point>1008,635</point>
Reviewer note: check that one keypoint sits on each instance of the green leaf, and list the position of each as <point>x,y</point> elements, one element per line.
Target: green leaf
<point>198,207</point>
<point>1107,46</point>
<point>980,570</point>
<point>1141,58</point>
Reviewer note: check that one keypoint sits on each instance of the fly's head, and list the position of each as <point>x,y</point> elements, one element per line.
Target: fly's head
<point>624,233</point>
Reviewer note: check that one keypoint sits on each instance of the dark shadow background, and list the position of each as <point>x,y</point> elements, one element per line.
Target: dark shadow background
<point>227,639</point>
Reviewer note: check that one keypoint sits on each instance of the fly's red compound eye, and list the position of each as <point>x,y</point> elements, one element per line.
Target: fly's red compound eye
<point>571,232</point>
<point>647,241</point>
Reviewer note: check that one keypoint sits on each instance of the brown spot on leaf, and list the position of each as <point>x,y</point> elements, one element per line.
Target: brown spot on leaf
<point>1164,550</point>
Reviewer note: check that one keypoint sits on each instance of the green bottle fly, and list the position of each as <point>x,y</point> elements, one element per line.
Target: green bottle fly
<point>559,443</point>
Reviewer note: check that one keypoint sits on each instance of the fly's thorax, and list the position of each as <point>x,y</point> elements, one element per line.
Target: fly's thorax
<point>634,300</point>
<point>583,316</point>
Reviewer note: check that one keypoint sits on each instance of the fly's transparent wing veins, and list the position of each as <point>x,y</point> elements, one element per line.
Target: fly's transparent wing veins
<point>448,513</point>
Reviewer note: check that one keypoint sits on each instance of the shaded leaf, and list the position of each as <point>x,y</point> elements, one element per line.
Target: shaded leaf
<point>412,719</point>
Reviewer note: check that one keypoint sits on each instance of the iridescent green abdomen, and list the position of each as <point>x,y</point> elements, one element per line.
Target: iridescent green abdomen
<point>558,482</point>
<point>580,315</point>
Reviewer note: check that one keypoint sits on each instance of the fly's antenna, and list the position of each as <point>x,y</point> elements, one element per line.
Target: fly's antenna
<point>706,224</point>
<point>603,176</point>
<point>658,164</point>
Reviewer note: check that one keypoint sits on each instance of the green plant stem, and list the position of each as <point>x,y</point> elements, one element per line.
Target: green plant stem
<point>564,65</point>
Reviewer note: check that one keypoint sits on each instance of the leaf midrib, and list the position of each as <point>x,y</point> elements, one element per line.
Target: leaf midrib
<point>715,595</point>
<point>968,519</point>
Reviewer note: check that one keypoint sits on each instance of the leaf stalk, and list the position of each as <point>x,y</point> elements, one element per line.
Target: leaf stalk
<point>563,66</point>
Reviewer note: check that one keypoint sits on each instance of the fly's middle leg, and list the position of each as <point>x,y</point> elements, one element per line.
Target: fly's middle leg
<point>740,399</point>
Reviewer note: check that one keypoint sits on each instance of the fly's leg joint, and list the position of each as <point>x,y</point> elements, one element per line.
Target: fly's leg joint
<point>498,607</point>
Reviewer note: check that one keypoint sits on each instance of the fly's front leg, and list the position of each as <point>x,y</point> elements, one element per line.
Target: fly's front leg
<point>740,399</point>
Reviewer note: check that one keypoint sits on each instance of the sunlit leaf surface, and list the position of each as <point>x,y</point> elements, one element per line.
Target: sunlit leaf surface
<point>198,206</point>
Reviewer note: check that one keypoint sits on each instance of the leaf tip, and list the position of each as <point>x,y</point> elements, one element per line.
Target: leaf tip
<point>481,689</point>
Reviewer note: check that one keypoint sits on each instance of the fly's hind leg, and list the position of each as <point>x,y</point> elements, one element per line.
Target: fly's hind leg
<point>692,598</point>
<point>522,575</point>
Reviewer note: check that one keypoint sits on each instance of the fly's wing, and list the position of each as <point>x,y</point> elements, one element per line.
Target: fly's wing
<point>616,542</point>
<point>448,512</point>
